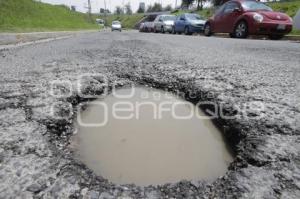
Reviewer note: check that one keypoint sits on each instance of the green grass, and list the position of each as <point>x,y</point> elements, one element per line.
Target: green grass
<point>128,21</point>
<point>289,7</point>
<point>28,16</point>
<point>206,12</point>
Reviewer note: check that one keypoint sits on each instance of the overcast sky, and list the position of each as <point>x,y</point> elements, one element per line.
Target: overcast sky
<point>111,4</point>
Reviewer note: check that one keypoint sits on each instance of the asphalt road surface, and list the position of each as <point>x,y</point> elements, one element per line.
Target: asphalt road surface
<point>256,82</point>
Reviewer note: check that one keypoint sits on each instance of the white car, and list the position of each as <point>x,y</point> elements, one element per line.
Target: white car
<point>101,23</point>
<point>116,25</point>
<point>164,23</point>
<point>142,27</point>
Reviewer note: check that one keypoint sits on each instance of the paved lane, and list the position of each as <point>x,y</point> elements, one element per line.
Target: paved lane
<point>256,82</point>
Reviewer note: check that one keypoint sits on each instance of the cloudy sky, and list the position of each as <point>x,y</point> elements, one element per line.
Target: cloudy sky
<point>111,4</point>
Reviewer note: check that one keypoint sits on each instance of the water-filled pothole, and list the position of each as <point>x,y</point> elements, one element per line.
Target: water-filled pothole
<point>150,138</point>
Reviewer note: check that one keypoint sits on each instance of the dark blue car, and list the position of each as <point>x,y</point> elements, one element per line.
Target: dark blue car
<point>189,23</point>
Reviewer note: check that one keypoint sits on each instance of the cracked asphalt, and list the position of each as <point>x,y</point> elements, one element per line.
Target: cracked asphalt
<point>256,82</point>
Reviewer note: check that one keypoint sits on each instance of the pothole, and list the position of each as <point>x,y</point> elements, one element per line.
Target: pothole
<point>147,136</point>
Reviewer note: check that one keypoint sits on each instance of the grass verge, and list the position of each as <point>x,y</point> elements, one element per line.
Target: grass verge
<point>29,16</point>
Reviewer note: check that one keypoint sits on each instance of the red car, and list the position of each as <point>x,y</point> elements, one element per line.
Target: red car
<point>241,18</point>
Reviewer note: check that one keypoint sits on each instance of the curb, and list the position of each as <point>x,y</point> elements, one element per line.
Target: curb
<point>292,37</point>
<point>19,38</point>
<point>286,37</point>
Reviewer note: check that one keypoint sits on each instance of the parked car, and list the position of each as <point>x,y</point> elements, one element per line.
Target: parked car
<point>241,18</point>
<point>142,27</point>
<point>189,23</point>
<point>116,25</point>
<point>100,22</point>
<point>164,23</point>
<point>149,26</point>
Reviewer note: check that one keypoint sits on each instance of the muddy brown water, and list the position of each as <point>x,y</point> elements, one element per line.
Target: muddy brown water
<point>152,146</point>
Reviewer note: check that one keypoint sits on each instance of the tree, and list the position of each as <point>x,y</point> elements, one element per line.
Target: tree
<point>157,7</point>
<point>119,10</point>
<point>168,8</point>
<point>103,11</point>
<point>218,2</point>
<point>128,9</point>
<point>140,10</point>
<point>149,9</point>
<point>200,4</point>
<point>187,3</point>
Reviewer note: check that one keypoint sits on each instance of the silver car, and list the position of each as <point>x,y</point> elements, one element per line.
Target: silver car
<point>116,25</point>
<point>148,26</point>
<point>164,23</point>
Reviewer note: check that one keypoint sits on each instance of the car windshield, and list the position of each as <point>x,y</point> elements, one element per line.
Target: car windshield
<point>115,22</point>
<point>193,17</point>
<point>169,18</point>
<point>253,5</point>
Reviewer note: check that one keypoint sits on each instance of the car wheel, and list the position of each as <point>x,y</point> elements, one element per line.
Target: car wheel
<point>187,31</point>
<point>276,37</point>
<point>241,30</point>
<point>162,30</point>
<point>207,30</point>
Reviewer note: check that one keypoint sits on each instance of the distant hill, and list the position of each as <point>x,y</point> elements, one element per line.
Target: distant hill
<point>30,15</point>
